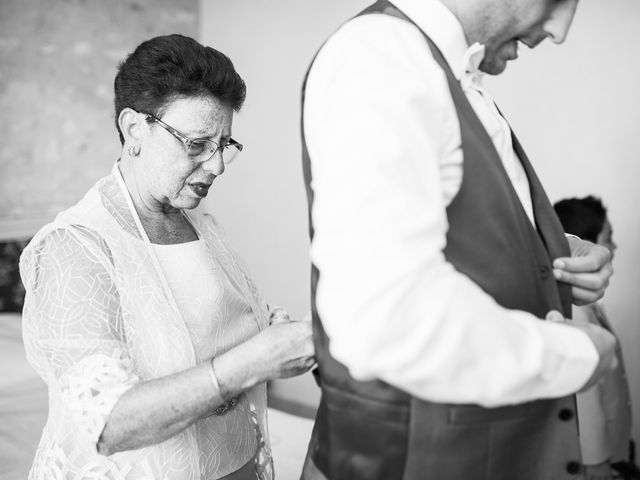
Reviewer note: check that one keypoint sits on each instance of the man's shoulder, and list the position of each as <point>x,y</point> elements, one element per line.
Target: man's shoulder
<point>374,31</point>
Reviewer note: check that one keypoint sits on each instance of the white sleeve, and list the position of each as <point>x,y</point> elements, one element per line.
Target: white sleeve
<point>392,305</point>
<point>72,327</point>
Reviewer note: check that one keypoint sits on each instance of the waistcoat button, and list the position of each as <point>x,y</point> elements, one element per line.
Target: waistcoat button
<point>565,414</point>
<point>545,272</point>
<point>573,467</point>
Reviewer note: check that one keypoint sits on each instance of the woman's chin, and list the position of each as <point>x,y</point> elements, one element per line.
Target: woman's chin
<point>186,203</point>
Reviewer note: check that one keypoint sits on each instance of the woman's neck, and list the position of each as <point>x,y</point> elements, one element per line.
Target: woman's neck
<point>163,223</point>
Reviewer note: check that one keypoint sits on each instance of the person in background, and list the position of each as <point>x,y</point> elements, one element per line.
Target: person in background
<point>604,411</point>
<point>437,256</point>
<point>154,342</point>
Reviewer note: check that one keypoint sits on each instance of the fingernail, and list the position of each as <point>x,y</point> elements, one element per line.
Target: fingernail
<point>558,264</point>
<point>557,274</point>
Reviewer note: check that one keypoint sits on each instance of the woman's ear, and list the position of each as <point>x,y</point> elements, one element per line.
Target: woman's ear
<point>132,126</point>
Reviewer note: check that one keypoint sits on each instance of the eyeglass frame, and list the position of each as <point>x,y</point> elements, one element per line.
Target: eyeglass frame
<point>188,141</point>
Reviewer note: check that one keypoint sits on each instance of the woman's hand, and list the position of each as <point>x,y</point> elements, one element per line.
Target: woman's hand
<point>282,350</point>
<point>278,315</point>
<point>286,348</point>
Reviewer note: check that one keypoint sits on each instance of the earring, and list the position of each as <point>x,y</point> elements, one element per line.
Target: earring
<point>133,152</point>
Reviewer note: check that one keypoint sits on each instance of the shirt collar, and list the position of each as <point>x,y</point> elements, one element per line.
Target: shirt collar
<point>437,21</point>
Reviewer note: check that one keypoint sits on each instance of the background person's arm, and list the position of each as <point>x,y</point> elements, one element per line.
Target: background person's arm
<point>594,437</point>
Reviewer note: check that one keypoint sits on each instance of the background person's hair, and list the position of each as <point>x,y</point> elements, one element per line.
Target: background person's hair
<point>583,217</point>
<point>165,68</point>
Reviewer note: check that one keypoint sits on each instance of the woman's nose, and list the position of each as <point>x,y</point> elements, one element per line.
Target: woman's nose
<point>215,164</point>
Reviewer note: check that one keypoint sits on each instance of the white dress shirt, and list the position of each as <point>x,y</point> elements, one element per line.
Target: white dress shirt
<point>385,147</point>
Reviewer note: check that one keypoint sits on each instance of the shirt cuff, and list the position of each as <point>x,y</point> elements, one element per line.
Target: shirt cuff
<point>570,360</point>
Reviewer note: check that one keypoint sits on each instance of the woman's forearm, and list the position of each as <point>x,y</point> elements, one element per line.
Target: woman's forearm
<point>158,409</point>
<point>155,410</point>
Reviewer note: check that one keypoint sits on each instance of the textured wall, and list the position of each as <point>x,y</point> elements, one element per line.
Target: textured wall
<point>58,59</point>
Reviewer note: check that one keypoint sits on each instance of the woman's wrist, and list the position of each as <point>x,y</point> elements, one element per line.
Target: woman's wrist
<point>235,371</point>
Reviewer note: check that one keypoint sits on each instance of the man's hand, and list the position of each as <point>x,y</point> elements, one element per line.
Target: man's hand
<point>602,339</point>
<point>587,270</point>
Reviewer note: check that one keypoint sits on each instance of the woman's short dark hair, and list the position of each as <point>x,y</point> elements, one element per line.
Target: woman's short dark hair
<point>583,217</point>
<point>165,68</point>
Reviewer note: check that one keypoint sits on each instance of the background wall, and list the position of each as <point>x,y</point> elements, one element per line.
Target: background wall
<point>576,109</point>
<point>58,60</point>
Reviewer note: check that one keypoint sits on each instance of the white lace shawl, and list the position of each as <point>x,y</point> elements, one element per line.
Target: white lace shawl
<point>98,318</point>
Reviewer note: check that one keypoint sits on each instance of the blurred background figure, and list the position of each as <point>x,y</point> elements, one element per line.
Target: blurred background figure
<point>604,411</point>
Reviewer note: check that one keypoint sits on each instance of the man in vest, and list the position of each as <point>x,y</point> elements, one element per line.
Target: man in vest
<point>436,256</point>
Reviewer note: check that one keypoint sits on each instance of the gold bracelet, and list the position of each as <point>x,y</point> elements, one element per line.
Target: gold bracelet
<point>214,378</point>
<point>226,406</point>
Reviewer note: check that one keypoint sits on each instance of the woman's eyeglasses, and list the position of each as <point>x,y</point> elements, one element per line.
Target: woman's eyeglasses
<point>201,149</point>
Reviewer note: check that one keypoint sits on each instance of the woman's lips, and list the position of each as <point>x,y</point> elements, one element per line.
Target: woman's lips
<point>200,189</point>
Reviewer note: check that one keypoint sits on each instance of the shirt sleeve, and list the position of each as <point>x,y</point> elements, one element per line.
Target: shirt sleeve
<point>375,122</point>
<point>73,330</point>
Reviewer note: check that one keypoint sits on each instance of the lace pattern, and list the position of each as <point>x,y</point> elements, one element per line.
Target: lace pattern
<point>90,389</point>
<point>98,318</point>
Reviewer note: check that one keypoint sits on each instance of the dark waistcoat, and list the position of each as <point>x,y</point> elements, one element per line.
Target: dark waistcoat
<point>373,431</point>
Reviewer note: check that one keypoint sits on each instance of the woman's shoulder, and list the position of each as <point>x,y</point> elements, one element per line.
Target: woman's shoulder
<point>88,221</point>
<point>63,244</point>
<point>76,225</point>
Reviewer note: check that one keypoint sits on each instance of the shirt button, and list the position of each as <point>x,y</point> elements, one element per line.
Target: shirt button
<point>573,468</point>
<point>565,414</point>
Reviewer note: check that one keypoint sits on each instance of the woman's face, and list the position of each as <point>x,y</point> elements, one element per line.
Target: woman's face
<point>605,237</point>
<point>173,180</point>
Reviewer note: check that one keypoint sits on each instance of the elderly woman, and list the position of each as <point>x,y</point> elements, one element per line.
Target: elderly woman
<point>154,342</point>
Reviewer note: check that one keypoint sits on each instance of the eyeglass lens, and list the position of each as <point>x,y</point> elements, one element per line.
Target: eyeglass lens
<point>203,150</point>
